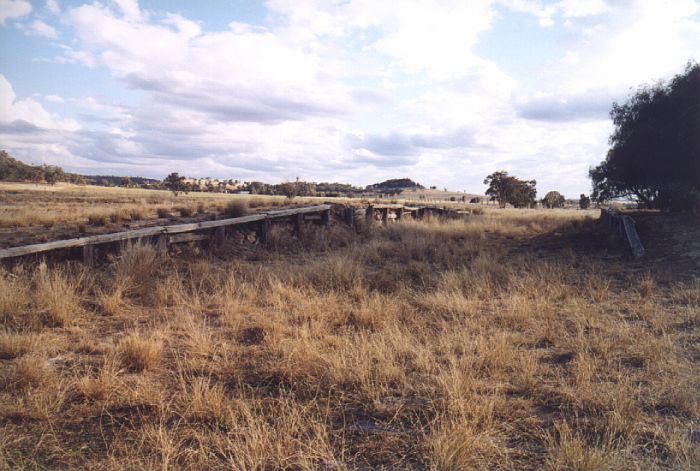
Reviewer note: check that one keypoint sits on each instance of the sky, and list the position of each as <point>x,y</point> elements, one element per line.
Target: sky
<point>354,91</point>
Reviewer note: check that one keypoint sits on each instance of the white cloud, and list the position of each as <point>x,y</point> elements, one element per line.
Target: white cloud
<point>354,91</point>
<point>130,9</point>
<point>28,111</point>
<point>54,99</point>
<point>13,9</point>
<point>247,75</point>
<point>53,6</point>
<point>39,28</point>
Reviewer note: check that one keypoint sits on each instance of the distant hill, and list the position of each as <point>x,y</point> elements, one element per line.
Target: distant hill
<point>112,180</point>
<point>13,170</point>
<point>394,186</point>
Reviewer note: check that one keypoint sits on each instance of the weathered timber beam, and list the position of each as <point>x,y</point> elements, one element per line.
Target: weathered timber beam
<point>153,231</point>
<point>186,237</point>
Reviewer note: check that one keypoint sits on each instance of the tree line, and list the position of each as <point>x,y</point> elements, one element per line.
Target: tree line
<point>654,155</point>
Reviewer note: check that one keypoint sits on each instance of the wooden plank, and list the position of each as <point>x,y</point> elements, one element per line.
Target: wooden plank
<point>186,237</point>
<point>80,242</point>
<point>195,226</point>
<point>152,231</point>
<point>292,211</point>
<point>244,219</point>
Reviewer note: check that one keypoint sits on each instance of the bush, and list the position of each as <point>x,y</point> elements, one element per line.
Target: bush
<point>136,214</point>
<point>163,213</point>
<point>236,209</point>
<point>184,211</point>
<point>97,220</point>
<point>584,202</point>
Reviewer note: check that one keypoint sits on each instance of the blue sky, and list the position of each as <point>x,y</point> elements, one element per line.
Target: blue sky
<point>444,92</point>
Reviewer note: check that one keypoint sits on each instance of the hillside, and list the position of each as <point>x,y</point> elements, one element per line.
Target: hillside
<point>394,186</point>
<point>13,170</point>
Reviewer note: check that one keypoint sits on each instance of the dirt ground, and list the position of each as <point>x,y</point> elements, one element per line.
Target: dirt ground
<point>671,241</point>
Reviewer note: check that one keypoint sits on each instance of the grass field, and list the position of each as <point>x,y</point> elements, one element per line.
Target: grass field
<point>34,213</point>
<point>511,340</point>
<point>27,204</point>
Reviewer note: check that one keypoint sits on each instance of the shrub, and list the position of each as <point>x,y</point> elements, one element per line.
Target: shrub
<point>236,208</point>
<point>259,202</point>
<point>584,202</point>
<point>136,214</point>
<point>97,220</point>
<point>184,211</point>
<point>163,213</point>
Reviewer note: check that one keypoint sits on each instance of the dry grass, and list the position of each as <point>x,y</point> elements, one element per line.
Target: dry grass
<point>490,343</point>
<point>139,352</point>
<point>24,205</point>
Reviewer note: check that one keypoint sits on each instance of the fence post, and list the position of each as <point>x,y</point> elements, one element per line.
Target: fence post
<point>369,214</point>
<point>263,229</point>
<point>298,223</point>
<point>162,243</point>
<point>89,255</point>
<point>385,216</point>
<point>326,218</point>
<point>219,236</point>
<point>349,217</point>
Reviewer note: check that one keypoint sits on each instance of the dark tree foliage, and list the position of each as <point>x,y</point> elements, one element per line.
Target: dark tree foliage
<point>584,202</point>
<point>553,199</point>
<point>654,156</point>
<point>14,170</point>
<point>297,188</point>
<point>395,185</point>
<point>507,189</point>
<point>175,183</point>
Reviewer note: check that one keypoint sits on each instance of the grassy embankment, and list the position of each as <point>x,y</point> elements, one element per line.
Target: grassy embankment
<point>445,346</point>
